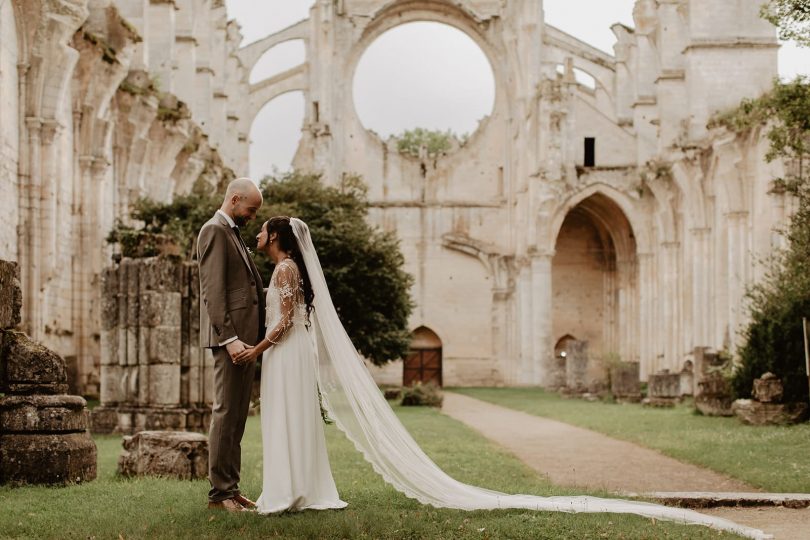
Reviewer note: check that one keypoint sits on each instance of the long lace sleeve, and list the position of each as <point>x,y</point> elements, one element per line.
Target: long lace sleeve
<point>285,279</point>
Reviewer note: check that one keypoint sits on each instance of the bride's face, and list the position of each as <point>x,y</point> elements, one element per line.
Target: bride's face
<point>262,238</point>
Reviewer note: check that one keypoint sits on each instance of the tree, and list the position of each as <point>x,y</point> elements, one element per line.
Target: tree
<point>774,336</point>
<point>792,17</point>
<point>435,142</point>
<point>362,265</point>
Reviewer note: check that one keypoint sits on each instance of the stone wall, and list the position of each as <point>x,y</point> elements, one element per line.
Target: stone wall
<point>103,102</point>
<point>9,130</point>
<point>153,373</point>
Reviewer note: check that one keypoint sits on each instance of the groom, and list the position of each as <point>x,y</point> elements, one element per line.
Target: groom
<point>231,320</point>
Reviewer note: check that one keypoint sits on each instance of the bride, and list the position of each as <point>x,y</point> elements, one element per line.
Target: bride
<point>296,473</point>
<point>296,466</point>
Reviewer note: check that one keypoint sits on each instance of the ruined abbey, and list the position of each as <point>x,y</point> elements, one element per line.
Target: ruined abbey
<point>615,213</point>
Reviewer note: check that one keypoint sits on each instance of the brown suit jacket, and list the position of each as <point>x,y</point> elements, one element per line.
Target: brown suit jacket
<point>231,290</point>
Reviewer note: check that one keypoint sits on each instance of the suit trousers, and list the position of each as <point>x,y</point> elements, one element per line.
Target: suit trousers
<point>232,388</point>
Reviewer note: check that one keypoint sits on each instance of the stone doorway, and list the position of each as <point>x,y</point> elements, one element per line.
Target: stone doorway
<point>594,276</point>
<point>424,361</point>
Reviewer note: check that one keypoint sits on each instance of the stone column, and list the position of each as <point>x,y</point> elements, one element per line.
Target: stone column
<point>543,358</point>
<point>43,432</point>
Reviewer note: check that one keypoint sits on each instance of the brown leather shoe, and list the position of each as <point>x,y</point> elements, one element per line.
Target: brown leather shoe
<point>245,502</point>
<point>229,505</point>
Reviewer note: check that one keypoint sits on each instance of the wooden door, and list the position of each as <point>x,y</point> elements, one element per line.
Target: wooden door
<point>423,365</point>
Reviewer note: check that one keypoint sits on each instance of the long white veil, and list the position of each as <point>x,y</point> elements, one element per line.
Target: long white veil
<point>359,409</point>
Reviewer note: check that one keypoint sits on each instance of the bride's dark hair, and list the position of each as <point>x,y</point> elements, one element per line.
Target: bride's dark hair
<point>286,238</point>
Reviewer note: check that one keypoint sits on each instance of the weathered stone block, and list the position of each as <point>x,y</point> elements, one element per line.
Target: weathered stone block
<point>160,345</point>
<point>133,340</point>
<point>172,454</point>
<point>47,458</point>
<point>664,385</point>
<point>160,274</point>
<point>113,385</point>
<point>625,383</point>
<point>163,382</point>
<point>576,365</point>
<point>109,299</point>
<point>26,367</point>
<point>763,414</point>
<point>161,419</point>
<point>687,386</point>
<point>10,294</point>
<point>54,414</point>
<point>714,396</point>
<point>768,389</point>
<point>109,347</point>
<point>160,308</point>
<point>103,420</point>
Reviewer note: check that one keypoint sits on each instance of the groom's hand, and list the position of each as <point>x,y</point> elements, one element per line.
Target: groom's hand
<point>234,348</point>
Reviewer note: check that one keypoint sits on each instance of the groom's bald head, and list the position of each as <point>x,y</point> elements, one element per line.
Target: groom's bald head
<point>242,200</point>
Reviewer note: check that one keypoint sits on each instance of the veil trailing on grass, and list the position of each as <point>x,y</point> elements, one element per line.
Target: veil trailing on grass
<point>361,412</point>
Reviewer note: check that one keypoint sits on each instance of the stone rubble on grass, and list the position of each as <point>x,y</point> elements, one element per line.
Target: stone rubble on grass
<point>43,432</point>
<point>171,454</point>
<point>712,390</point>
<point>767,408</point>
<point>663,389</point>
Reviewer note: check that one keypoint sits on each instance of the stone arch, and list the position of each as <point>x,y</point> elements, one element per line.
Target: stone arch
<point>559,346</point>
<point>251,54</point>
<point>270,52</point>
<point>255,117</point>
<point>262,93</point>
<point>398,13</point>
<point>424,360</point>
<point>594,278</point>
<point>550,228</point>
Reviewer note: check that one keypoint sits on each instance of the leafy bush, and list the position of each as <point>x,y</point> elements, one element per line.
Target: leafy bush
<point>418,394</point>
<point>362,265</point>
<point>435,142</point>
<point>774,337</point>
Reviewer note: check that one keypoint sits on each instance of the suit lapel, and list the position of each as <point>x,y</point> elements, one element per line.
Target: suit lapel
<point>236,242</point>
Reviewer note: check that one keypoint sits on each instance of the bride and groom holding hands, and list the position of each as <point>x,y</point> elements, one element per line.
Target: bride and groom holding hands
<point>239,321</point>
<point>295,325</point>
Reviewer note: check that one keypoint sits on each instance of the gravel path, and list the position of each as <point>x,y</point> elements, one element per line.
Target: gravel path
<point>573,456</point>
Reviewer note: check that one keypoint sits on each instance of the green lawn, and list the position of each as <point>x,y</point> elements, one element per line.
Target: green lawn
<point>773,458</point>
<point>148,508</point>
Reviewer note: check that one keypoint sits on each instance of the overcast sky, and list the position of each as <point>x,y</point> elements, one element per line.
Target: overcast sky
<point>441,79</point>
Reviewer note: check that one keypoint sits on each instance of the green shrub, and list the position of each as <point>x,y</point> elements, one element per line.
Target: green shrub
<point>362,264</point>
<point>418,394</point>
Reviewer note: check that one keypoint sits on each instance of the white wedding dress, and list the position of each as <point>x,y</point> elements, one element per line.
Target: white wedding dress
<point>359,409</point>
<point>296,473</point>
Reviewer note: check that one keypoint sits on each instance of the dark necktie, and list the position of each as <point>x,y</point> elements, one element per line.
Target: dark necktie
<point>241,242</point>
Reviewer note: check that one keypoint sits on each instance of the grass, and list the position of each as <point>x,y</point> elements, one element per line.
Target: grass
<point>111,507</point>
<point>773,458</point>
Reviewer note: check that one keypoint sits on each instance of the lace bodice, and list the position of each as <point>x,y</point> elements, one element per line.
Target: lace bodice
<point>285,300</point>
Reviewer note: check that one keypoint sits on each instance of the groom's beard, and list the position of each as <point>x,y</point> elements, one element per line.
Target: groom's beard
<point>240,221</point>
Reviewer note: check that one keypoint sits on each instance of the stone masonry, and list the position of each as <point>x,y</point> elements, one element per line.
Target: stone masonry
<point>154,376</point>
<point>43,432</point>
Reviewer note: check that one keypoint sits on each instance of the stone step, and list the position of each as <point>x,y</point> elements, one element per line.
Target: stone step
<point>699,499</point>
<point>42,414</point>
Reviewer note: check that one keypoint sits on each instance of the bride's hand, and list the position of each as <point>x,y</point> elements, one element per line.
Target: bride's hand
<point>248,355</point>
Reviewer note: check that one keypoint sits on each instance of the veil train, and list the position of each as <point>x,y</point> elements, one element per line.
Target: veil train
<point>361,412</point>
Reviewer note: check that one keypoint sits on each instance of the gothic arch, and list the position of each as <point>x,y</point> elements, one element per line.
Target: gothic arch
<point>605,195</point>
<point>398,13</point>
<point>595,277</point>
<point>251,54</point>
